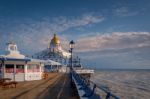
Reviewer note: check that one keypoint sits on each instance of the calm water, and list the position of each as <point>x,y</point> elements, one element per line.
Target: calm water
<point>127,84</point>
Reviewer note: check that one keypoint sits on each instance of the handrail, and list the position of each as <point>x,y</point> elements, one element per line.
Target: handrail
<point>84,81</point>
<point>106,91</point>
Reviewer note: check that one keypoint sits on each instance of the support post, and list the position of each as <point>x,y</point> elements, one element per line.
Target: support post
<point>3,66</point>
<point>25,71</point>
<point>14,72</point>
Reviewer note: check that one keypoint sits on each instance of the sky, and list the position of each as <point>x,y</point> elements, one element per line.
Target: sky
<point>107,33</point>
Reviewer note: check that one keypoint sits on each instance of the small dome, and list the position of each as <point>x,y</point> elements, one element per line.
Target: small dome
<point>55,40</point>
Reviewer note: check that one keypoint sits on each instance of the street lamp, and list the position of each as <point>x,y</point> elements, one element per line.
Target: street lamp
<point>79,62</point>
<point>72,43</point>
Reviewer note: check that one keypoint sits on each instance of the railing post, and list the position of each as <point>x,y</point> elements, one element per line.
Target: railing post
<point>89,95</point>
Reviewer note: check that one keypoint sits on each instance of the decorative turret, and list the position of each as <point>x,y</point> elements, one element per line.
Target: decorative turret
<point>54,51</point>
<point>12,51</point>
<point>11,46</point>
<point>55,44</point>
<point>55,40</point>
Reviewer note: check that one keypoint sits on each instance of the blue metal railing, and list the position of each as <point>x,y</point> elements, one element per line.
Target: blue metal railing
<point>86,84</point>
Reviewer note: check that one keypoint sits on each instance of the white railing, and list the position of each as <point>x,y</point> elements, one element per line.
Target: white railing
<point>82,71</point>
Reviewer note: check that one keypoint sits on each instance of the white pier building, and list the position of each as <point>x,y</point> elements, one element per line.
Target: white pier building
<point>17,67</point>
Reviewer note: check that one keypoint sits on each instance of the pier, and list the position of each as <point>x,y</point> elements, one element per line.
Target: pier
<point>56,86</point>
<point>47,75</point>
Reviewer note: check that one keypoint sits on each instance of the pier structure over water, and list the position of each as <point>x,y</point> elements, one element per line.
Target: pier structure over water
<point>76,82</point>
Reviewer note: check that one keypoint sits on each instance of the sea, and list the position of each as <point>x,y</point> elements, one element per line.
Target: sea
<point>124,83</point>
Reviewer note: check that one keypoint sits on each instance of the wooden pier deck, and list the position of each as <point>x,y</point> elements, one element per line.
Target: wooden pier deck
<point>57,86</point>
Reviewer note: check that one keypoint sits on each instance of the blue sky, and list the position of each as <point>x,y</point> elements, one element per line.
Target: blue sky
<point>108,33</point>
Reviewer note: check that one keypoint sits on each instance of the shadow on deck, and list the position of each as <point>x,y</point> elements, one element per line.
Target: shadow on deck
<point>60,89</point>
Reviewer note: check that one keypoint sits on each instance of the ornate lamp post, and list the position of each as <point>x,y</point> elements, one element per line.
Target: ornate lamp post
<point>72,43</point>
<point>79,62</point>
<point>71,67</point>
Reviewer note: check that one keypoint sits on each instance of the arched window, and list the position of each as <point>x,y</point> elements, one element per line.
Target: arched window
<point>13,47</point>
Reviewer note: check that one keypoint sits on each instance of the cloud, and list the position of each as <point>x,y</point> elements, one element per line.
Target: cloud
<point>115,50</point>
<point>63,23</point>
<point>34,35</point>
<point>115,42</point>
<point>124,12</point>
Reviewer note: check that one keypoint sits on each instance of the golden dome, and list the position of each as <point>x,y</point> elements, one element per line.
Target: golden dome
<point>55,40</point>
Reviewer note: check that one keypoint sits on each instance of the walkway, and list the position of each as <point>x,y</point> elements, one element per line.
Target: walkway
<point>55,87</point>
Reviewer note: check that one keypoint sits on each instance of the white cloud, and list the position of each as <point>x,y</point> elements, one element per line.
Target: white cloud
<point>63,23</point>
<point>35,35</point>
<point>113,42</point>
<point>118,49</point>
<point>124,11</point>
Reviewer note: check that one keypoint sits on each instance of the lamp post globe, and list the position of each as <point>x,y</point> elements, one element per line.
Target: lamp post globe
<point>72,43</point>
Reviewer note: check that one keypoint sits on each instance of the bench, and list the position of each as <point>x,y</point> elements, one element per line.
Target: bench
<point>11,84</point>
<point>5,82</point>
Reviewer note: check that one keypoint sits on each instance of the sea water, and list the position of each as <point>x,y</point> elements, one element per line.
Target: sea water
<point>126,84</point>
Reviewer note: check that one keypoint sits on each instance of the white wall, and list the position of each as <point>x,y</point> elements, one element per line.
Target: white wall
<point>33,76</point>
<point>19,77</point>
<point>26,76</point>
<point>9,75</point>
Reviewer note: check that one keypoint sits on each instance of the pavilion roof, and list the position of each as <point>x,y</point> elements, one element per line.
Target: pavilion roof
<point>14,59</point>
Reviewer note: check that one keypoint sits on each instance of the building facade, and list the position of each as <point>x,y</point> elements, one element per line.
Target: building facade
<point>17,67</point>
<point>54,52</point>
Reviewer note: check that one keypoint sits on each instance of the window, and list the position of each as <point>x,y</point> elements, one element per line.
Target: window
<point>33,68</point>
<point>19,68</point>
<point>12,48</point>
<point>9,68</point>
